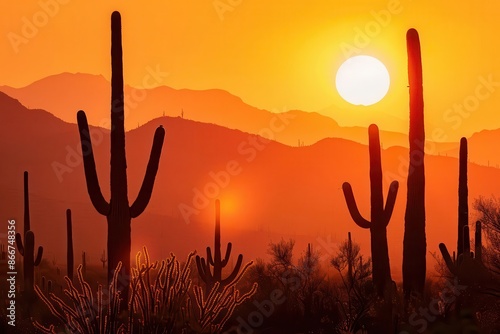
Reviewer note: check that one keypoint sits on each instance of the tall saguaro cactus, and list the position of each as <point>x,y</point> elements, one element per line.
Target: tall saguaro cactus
<point>380,214</point>
<point>208,275</point>
<point>69,250</point>
<point>414,243</point>
<point>463,195</point>
<point>118,211</point>
<point>467,266</point>
<point>27,249</point>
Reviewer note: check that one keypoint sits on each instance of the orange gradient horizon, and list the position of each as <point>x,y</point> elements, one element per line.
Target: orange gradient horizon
<point>274,56</point>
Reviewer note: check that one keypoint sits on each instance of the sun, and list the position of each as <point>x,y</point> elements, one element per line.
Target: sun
<point>362,80</point>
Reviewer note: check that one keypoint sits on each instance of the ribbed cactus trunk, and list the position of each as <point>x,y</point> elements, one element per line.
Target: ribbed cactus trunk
<point>211,276</point>
<point>378,228</point>
<point>414,244</point>
<point>27,221</point>
<point>118,211</point>
<point>350,261</point>
<point>84,265</point>
<point>463,196</point>
<point>460,264</point>
<point>27,248</point>
<point>380,215</point>
<point>119,220</point>
<point>69,250</point>
<point>28,270</point>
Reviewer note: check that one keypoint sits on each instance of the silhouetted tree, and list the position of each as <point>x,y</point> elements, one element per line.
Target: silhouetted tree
<point>354,299</point>
<point>489,215</point>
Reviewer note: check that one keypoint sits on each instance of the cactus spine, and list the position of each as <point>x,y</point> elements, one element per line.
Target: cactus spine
<point>414,244</point>
<point>27,250</point>
<point>69,250</point>
<point>118,211</point>
<point>210,277</point>
<point>380,215</point>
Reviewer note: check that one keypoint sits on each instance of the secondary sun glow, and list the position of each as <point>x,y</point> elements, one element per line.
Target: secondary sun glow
<point>362,80</point>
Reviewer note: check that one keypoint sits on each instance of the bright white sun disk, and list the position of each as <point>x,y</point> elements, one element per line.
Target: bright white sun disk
<point>362,80</point>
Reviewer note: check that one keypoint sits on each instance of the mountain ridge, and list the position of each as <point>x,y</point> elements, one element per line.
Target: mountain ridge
<point>265,187</point>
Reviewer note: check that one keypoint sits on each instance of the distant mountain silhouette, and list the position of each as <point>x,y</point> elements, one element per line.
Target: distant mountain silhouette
<point>64,94</point>
<point>267,189</point>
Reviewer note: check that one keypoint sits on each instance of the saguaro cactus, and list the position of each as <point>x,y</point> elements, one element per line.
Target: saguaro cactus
<point>103,258</point>
<point>84,264</point>
<point>27,250</point>
<point>380,214</point>
<point>215,275</point>
<point>69,250</point>
<point>414,243</point>
<point>463,195</point>
<point>117,210</point>
<point>350,261</point>
<point>468,267</point>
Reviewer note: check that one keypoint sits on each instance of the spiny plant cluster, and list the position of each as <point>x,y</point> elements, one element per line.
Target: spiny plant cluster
<point>161,301</point>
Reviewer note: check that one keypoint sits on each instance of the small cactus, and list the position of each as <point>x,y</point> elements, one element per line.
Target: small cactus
<point>84,264</point>
<point>30,261</point>
<point>210,277</point>
<point>468,267</point>
<point>27,249</point>
<point>103,258</point>
<point>69,249</point>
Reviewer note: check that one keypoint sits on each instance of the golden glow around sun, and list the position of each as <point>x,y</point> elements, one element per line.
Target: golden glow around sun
<point>362,80</point>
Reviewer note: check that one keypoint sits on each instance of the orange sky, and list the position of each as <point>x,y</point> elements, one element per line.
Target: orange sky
<point>274,55</point>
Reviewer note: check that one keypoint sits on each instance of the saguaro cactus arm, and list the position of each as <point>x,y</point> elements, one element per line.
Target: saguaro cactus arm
<point>353,207</point>
<point>390,202</point>
<point>450,263</point>
<point>146,190</point>
<point>235,271</point>
<point>228,253</point>
<point>93,187</point>
<point>30,246</point>
<point>203,268</point>
<point>19,244</point>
